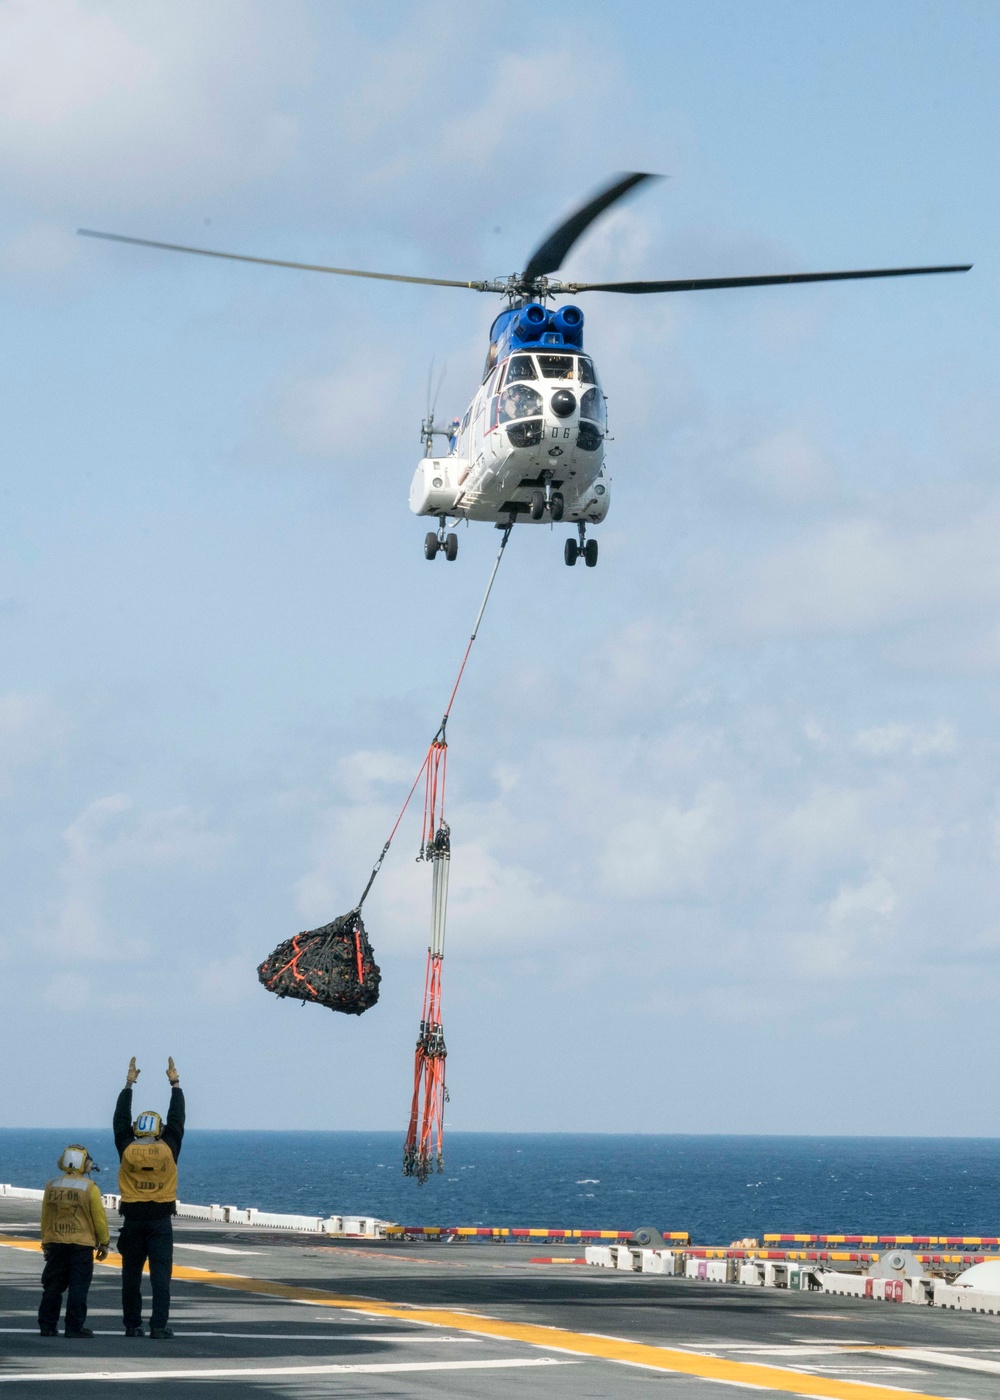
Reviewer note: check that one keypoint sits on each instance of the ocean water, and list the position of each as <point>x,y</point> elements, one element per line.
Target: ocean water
<point>718,1188</point>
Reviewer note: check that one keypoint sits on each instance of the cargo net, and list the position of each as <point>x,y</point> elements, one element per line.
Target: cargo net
<point>332,966</point>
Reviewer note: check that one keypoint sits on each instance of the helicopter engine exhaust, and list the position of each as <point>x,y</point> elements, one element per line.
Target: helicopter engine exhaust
<point>563,327</point>
<point>568,321</point>
<point>531,321</point>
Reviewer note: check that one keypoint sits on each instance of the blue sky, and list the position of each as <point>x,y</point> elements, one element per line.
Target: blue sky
<point>725,810</point>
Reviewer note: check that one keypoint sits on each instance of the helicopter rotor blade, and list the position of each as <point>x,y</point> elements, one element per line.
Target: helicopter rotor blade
<point>548,257</point>
<point>279,262</point>
<point>705,284</point>
<point>440,385</point>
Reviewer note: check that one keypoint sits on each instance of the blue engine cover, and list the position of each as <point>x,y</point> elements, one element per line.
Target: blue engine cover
<point>533,325</point>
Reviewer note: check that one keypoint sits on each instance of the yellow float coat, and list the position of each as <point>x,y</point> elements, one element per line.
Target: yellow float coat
<point>147,1172</point>
<point>73,1213</point>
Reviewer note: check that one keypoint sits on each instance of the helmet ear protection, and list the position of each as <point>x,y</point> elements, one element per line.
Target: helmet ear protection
<point>148,1124</point>
<point>77,1159</point>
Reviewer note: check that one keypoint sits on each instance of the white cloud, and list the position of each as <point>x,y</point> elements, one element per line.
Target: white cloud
<point>875,897</point>
<point>142,103</point>
<point>857,918</point>
<point>663,848</point>
<point>31,728</point>
<point>108,843</point>
<point>364,774</point>
<point>38,250</point>
<point>786,467</point>
<point>829,824</point>
<point>223,981</point>
<point>59,59</point>
<point>339,415</point>
<point>494,898</point>
<point>920,741</point>
<point>68,991</point>
<point>862,573</point>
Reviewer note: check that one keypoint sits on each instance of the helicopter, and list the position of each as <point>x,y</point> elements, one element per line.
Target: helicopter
<point>531,445</point>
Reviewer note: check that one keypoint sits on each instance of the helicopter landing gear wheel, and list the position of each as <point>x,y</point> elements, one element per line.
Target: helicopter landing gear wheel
<point>537,507</point>
<point>590,554</point>
<point>571,552</point>
<point>431,545</point>
<point>451,548</point>
<point>557,505</point>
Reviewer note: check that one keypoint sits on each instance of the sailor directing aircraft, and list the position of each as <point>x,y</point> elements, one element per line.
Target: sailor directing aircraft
<point>147,1180</point>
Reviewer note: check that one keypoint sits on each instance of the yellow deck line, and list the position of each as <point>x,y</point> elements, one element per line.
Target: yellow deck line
<point>687,1363</point>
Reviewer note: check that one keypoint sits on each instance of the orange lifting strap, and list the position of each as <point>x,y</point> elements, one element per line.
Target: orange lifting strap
<point>425,1137</point>
<point>424,1148</point>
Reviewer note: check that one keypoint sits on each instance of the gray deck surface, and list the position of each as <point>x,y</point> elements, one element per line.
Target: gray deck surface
<point>220,1330</point>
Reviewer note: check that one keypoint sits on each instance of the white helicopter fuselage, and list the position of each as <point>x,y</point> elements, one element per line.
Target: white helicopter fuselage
<point>536,425</point>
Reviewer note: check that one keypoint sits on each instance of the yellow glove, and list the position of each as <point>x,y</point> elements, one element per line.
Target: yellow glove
<point>172,1074</point>
<point>102,1252</point>
<point>132,1074</point>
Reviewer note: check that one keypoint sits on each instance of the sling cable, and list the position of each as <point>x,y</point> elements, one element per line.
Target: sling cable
<point>334,966</point>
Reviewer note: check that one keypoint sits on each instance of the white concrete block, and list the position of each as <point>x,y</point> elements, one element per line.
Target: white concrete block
<point>847,1285</point>
<point>946,1295</point>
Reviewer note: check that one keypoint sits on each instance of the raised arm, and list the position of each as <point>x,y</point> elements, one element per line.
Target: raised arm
<point>173,1131</point>
<point>122,1121</point>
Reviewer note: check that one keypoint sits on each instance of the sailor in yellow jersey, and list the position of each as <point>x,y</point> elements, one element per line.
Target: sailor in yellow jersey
<point>74,1225</point>
<point>147,1181</point>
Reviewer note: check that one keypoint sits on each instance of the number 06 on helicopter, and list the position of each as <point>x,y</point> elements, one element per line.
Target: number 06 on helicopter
<point>531,444</point>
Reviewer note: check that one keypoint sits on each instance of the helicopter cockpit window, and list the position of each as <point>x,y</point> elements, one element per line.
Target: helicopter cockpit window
<point>587,375</point>
<point>518,401</point>
<point>491,357</point>
<point>592,405</point>
<point>520,367</point>
<point>556,366</point>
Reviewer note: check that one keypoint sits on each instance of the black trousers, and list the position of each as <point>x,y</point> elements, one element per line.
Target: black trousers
<point>67,1266</point>
<point>141,1240</point>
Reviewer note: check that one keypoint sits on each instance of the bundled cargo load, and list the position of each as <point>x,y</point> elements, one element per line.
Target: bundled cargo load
<point>333,966</point>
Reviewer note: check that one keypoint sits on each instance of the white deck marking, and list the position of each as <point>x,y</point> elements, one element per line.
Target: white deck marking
<point>214,1248</point>
<point>788,1350</point>
<point>943,1358</point>
<point>224,1372</point>
<point>862,1370</point>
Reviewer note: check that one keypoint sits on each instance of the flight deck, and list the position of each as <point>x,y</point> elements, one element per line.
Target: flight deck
<point>261,1313</point>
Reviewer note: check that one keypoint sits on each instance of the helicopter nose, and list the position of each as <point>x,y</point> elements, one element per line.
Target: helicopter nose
<point>563,403</point>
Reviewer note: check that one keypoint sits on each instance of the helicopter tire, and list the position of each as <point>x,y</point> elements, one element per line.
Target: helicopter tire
<point>451,547</point>
<point>537,507</point>
<point>590,554</point>
<point>571,552</point>
<point>557,505</point>
<point>431,545</point>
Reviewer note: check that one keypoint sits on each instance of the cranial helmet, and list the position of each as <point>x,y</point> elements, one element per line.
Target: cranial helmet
<point>148,1124</point>
<point>77,1160</point>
